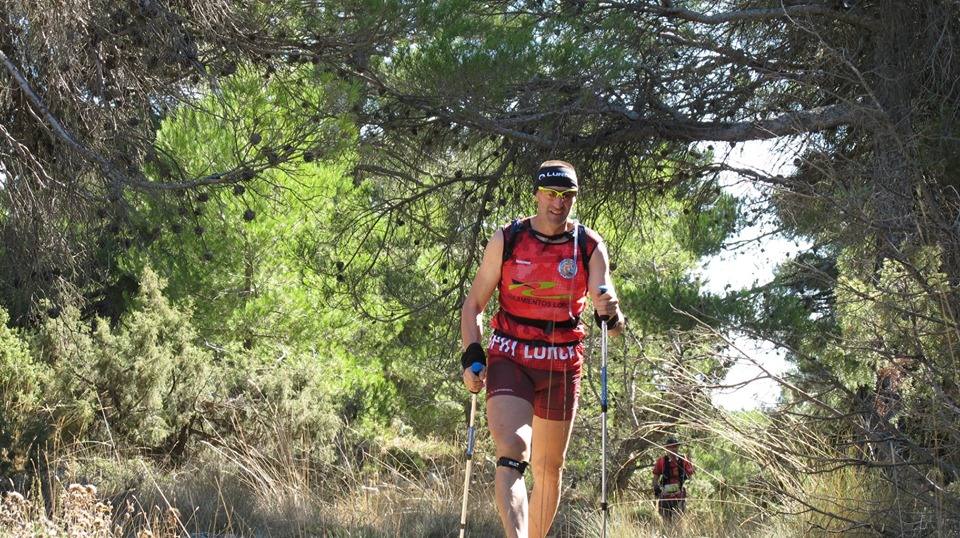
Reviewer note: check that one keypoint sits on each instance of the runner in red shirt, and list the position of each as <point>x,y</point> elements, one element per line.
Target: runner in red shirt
<point>669,474</point>
<point>544,267</point>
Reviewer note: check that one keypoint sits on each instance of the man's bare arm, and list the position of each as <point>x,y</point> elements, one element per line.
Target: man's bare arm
<point>607,303</point>
<point>488,276</point>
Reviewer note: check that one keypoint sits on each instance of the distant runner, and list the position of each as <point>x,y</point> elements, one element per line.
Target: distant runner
<point>544,267</point>
<point>669,474</point>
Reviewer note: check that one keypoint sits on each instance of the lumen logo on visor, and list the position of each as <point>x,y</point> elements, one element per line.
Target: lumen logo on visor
<point>540,290</point>
<point>554,173</point>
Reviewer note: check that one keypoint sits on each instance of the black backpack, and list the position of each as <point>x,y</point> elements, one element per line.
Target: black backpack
<point>666,474</point>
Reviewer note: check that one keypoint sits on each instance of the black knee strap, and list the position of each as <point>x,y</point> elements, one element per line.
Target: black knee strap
<point>519,466</point>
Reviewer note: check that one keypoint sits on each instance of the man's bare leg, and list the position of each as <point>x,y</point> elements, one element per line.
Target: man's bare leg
<point>550,440</point>
<point>509,419</point>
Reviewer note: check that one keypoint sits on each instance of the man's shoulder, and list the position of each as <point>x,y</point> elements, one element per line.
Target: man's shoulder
<point>514,222</point>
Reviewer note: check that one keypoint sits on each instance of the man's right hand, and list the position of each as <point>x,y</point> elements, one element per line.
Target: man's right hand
<point>474,362</point>
<point>657,491</point>
<point>474,382</point>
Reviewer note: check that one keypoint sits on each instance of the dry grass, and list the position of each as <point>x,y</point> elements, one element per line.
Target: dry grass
<point>372,511</point>
<point>76,511</point>
<point>406,488</point>
<point>227,506</point>
<point>246,498</point>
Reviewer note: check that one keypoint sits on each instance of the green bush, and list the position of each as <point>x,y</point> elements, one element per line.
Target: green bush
<point>139,384</point>
<point>283,397</point>
<point>150,384</point>
<point>23,381</point>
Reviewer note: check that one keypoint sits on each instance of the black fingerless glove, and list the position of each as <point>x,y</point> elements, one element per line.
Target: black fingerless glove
<point>473,353</point>
<point>611,323</point>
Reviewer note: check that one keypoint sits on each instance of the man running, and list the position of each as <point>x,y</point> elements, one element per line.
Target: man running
<point>669,473</point>
<point>544,267</point>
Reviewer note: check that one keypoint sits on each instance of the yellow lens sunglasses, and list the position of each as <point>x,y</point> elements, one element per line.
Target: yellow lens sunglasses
<point>558,195</point>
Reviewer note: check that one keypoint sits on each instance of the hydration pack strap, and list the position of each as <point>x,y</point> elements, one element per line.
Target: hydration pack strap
<point>540,343</point>
<point>546,325</point>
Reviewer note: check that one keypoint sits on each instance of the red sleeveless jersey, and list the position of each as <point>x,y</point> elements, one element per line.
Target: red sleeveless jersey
<point>541,282</point>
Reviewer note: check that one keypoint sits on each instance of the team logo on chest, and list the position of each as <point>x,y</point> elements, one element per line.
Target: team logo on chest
<point>567,268</point>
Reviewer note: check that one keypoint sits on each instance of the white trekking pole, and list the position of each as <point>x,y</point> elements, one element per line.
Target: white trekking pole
<point>603,417</point>
<point>471,437</point>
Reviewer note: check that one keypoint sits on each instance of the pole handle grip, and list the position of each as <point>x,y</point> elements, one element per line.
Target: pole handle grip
<point>604,289</point>
<point>476,367</point>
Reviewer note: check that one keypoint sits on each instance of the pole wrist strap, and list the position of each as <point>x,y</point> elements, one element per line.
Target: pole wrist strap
<point>473,353</point>
<point>611,322</point>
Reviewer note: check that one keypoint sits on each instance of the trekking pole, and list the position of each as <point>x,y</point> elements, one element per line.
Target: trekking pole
<point>603,416</point>
<point>471,436</point>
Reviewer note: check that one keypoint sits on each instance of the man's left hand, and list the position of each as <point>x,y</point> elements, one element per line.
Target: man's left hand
<point>607,305</point>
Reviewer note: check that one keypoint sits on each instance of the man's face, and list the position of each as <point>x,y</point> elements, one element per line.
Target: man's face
<point>555,204</point>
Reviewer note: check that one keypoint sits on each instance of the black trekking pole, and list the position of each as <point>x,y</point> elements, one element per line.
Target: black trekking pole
<point>603,417</point>
<point>471,437</point>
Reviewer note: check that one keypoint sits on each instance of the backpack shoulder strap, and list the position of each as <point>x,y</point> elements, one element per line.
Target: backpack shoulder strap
<point>665,466</point>
<point>587,241</point>
<point>510,234</point>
